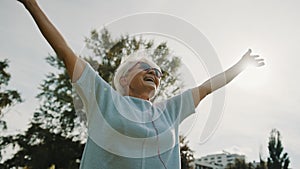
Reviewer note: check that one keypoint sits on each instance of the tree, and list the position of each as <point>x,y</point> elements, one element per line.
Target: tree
<point>239,164</point>
<point>56,128</point>
<point>8,97</point>
<point>277,160</point>
<point>262,163</point>
<point>39,148</point>
<point>186,154</point>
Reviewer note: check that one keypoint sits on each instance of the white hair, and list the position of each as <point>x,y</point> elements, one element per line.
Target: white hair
<point>126,64</point>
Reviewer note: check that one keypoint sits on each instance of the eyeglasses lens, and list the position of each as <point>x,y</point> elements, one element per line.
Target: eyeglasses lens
<point>147,67</point>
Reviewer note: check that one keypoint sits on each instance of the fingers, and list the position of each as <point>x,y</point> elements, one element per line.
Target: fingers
<point>259,62</point>
<point>249,51</point>
<point>254,60</point>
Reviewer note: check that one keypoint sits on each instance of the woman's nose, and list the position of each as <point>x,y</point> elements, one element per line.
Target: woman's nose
<point>151,71</point>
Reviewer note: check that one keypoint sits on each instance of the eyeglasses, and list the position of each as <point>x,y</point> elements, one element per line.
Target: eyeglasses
<point>146,67</point>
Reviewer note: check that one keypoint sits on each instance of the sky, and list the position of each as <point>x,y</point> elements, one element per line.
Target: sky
<point>256,101</point>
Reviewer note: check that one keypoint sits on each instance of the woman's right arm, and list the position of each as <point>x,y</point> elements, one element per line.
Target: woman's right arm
<point>225,77</point>
<point>54,38</point>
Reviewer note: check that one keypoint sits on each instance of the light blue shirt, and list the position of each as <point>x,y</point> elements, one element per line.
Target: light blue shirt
<point>130,133</point>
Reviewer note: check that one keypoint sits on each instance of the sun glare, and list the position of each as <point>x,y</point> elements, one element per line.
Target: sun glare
<point>254,78</point>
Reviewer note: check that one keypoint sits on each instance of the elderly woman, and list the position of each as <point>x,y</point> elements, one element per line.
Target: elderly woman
<point>126,130</point>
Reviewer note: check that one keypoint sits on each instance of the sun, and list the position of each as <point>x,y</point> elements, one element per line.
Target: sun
<point>253,78</point>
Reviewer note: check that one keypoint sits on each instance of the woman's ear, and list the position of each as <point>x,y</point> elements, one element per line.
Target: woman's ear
<point>123,81</point>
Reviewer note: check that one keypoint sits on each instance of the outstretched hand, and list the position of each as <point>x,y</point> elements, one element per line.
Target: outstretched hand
<point>249,59</point>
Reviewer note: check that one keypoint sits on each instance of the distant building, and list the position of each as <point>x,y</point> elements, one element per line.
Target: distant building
<point>217,161</point>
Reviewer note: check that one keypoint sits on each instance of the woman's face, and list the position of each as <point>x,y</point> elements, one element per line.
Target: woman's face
<point>143,80</point>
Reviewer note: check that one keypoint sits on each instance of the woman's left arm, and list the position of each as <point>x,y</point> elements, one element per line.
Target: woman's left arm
<point>225,77</point>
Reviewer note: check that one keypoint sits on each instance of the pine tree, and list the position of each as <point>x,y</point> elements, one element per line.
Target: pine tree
<point>277,160</point>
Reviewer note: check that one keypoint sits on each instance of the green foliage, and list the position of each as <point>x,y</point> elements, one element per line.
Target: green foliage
<point>242,164</point>
<point>186,154</point>
<point>42,149</point>
<point>8,98</point>
<point>57,132</point>
<point>277,159</point>
<point>57,112</point>
<point>239,164</point>
<point>262,164</point>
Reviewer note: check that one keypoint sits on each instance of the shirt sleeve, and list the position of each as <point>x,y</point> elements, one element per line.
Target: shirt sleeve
<point>93,91</point>
<point>180,107</point>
